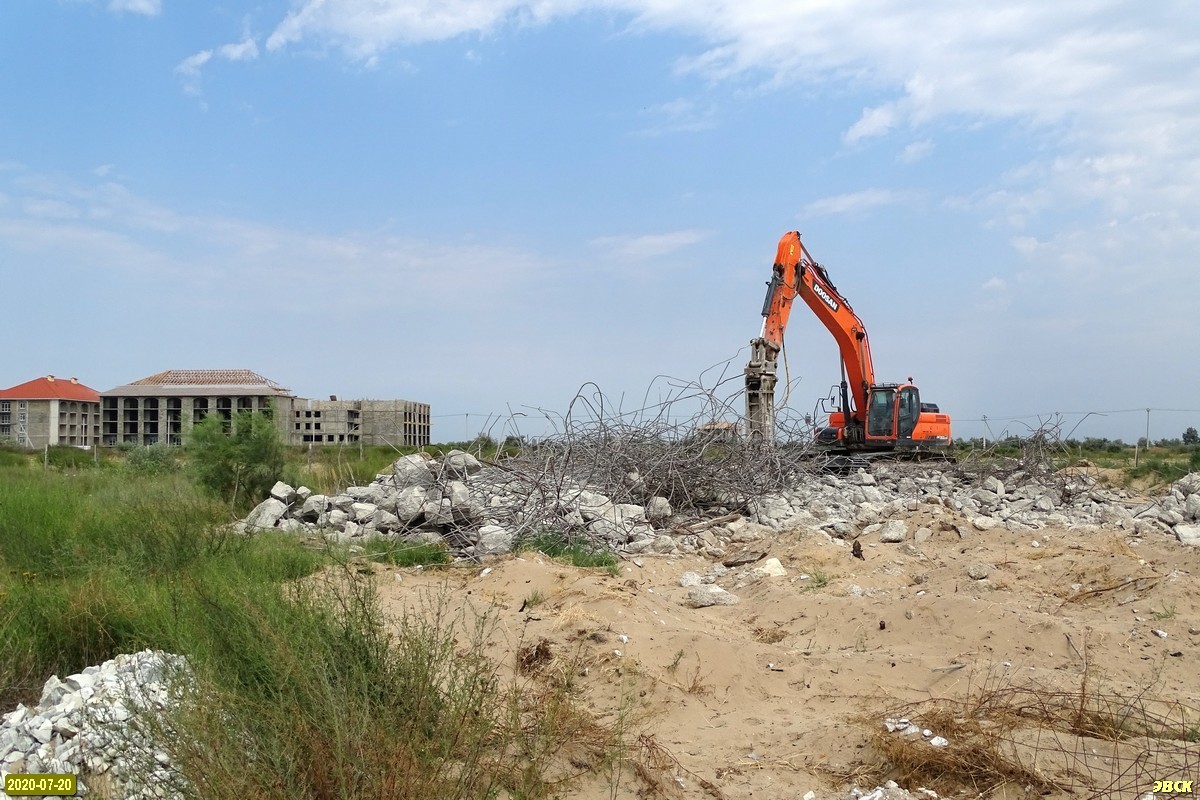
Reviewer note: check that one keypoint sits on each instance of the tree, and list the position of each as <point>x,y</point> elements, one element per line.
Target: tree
<point>1191,437</point>
<point>241,465</point>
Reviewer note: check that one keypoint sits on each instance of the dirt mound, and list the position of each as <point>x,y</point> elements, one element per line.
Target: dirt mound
<point>787,690</point>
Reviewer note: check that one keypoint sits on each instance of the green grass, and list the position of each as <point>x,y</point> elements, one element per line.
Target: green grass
<point>561,547</point>
<point>1167,469</point>
<point>330,469</point>
<point>303,687</point>
<point>408,554</point>
<point>1168,612</point>
<point>93,564</point>
<point>12,457</point>
<point>817,579</point>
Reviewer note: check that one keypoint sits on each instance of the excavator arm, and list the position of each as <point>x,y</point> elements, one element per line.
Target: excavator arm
<point>796,274</point>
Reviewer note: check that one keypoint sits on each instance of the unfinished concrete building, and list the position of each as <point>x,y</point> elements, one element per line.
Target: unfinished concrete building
<point>162,408</point>
<point>50,411</point>
<point>371,422</point>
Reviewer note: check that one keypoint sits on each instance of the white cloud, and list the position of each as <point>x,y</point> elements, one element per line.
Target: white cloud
<point>367,28</point>
<point>647,246</point>
<point>48,208</point>
<point>244,50</point>
<point>150,8</point>
<point>1025,245</point>
<point>873,122</point>
<point>190,70</point>
<point>106,225</point>
<point>994,284</point>
<point>1112,89</point>
<point>916,151</point>
<point>853,202</point>
<point>678,116</point>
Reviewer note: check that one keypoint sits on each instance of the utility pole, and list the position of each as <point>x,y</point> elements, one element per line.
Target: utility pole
<point>985,430</point>
<point>1147,429</point>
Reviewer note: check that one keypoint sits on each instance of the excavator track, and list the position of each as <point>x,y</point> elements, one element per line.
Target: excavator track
<point>845,462</point>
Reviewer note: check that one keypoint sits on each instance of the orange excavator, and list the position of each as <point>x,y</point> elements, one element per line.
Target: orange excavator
<point>880,417</point>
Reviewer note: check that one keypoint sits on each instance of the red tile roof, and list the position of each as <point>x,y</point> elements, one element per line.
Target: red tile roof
<point>209,377</point>
<point>51,388</point>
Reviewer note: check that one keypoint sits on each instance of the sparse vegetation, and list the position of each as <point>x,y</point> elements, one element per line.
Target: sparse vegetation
<point>817,579</point>
<point>409,554</point>
<point>696,680</point>
<point>1037,737</point>
<point>577,553</point>
<point>1167,469</point>
<point>303,688</point>
<point>1165,613</point>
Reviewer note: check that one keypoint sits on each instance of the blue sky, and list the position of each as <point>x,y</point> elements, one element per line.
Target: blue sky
<point>484,204</point>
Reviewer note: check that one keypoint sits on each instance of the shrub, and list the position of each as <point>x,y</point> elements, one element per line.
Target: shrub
<point>65,457</point>
<point>240,465</point>
<point>155,459</point>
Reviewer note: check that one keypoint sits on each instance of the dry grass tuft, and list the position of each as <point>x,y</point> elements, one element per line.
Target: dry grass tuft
<point>534,657</point>
<point>1105,745</point>
<point>769,635</point>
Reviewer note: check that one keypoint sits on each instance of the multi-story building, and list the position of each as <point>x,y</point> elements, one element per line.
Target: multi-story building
<point>163,408</point>
<point>50,411</point>
<point>371,422</point>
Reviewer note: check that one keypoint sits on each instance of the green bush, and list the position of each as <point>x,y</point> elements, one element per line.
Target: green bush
<point>238,462</point>
<point>65,457</point>
<point>155,459</point>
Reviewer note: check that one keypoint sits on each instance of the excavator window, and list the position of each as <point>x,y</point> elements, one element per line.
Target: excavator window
<point>879,412</point>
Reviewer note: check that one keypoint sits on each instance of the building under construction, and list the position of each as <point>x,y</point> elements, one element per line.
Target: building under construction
<point>373,422</point>
<point>163,407</point>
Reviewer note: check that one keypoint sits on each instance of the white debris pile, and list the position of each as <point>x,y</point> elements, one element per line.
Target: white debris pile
<point>480,510</point>
<point>905,727</point>
<point>875,504</point>
<point>98,722</point>
<point>475,510</point>
<point>891,791</point>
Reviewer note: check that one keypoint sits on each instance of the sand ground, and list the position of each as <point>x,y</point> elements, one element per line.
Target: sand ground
<point>779,694</point>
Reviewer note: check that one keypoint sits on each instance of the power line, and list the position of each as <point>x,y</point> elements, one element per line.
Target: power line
<point>1045,414</point>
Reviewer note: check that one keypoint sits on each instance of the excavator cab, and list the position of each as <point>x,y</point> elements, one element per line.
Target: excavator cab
<point>892,413</point>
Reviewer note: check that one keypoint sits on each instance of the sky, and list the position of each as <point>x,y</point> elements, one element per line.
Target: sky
<point>493,205</point>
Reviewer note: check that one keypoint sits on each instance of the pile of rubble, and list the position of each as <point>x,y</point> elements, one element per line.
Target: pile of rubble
<point>866,502</point>
<point>479,511</point>
<point>476,511</point>
<point>95,723</point>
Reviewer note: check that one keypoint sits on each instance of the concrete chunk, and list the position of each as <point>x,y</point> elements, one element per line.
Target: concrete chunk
<point>266,514</point>
<point>709,595</point>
